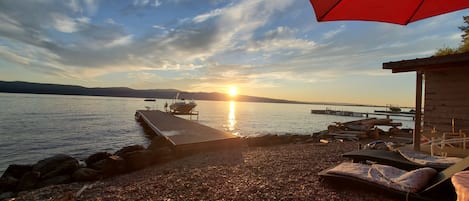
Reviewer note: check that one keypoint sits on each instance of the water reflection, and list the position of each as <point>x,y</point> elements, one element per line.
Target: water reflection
<point>232,118</point>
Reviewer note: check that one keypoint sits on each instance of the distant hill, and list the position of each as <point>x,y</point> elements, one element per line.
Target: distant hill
<point>40,88</point>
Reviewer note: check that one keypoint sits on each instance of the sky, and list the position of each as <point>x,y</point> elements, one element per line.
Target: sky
<point>273,48</point>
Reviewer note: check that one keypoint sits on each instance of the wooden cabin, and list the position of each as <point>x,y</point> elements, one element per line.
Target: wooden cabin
<point>442,83</point>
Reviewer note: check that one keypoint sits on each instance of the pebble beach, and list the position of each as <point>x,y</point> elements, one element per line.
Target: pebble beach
<point>279,172</point>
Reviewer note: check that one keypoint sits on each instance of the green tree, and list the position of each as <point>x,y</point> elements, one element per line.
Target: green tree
<point>445,51</point>
<point>463,47</point>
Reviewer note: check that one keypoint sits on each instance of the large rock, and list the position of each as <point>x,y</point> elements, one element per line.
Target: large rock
<point>28,181</point>
<point>61,179</point>
<point>96,157</point>
<point>98,165</point>
<point>139,159</point>
<point>8,183</point>
<point>129,149</point>
<point>86,174</point>
<point>110,166</point>
<point>17,171</point>
<point>6,195</point>
<point>56,165</point>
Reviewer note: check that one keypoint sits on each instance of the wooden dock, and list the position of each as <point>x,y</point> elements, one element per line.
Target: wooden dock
<point>186,135</point>
<point>364,114</point>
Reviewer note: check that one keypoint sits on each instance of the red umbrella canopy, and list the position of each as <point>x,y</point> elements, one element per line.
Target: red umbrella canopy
<point>392,11</point>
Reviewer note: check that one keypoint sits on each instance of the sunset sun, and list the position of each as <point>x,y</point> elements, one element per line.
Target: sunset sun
<point>233,91</point>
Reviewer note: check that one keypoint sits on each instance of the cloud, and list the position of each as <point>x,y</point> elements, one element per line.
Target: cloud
<point>65,24</point>
<point>138,6</point>
<point>122,41</point>
<point>184,48</point>
<point>206,16</point>
<point>10,25</point>
<point>91,6</point>
<point>142,76</point>
<point>250,42</point>
<point>143,3</point>
<point>332,33</point>
<point>13,57</point>
<point>110,21</point>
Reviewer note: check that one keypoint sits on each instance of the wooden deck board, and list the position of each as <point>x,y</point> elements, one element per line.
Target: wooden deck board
<point>182,132</point>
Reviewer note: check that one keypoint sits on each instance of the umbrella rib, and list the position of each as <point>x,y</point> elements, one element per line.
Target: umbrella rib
<point>415,12</point>
<point>330,9</point>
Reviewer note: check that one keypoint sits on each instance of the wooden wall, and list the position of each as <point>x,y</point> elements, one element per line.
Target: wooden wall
<point>447,97</point>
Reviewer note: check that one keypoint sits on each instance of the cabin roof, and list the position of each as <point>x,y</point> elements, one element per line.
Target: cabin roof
<point>430,63</point>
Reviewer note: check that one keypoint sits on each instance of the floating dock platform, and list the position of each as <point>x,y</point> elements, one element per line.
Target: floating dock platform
<point>186,135</point>
<point>364,114</point>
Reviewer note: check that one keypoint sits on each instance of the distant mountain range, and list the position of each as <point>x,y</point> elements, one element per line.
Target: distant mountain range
<point>40,88</point>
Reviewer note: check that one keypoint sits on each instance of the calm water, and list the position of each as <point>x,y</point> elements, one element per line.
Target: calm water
<point>33,127</point>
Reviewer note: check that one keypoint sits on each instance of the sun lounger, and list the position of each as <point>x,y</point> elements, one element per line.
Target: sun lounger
<point>435,187</point>
<point>397,159</point>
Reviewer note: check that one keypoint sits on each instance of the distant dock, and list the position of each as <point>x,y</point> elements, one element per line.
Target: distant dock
<point>388,114</point>
<point>186,135</point>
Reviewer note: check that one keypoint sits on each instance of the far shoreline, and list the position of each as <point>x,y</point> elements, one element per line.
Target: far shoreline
<point>221,100</point>
<point>125,92</point>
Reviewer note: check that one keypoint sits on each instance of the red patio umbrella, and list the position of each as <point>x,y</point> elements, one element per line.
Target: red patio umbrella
<point>392,11</point>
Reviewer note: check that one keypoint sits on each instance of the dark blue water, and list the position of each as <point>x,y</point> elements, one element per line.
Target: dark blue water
<point>33,127</point>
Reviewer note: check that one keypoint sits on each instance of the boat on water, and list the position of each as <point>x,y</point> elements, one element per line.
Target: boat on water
<point>182,106</point>
<point>394,108</point>
<point>150,104</point>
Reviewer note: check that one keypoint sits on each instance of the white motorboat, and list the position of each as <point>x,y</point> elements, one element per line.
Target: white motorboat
<point>181,105</point>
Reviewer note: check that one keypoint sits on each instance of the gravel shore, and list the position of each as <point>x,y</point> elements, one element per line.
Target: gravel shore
<point>282,172</point>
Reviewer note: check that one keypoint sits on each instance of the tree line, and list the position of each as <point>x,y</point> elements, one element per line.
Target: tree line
<point>463,47</point>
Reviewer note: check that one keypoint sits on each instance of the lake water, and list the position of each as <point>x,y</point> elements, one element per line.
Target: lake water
<point>33,127</point>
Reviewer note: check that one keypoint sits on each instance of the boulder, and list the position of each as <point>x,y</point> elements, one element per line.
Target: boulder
<point>128,149</point>
<point>17,171</point>
<point>28,181</point>
<point>110,166</point>
<point>56,165</point>
<point>98,165</point>
<point>8,183</point>
<point>86,174</point>
<point>139,159</point>
<point>6,195</point>
<point>61,179</point>
<point>96,157</point>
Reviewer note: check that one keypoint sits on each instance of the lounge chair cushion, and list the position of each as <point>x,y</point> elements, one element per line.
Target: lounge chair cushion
<point>388,176</point>
<point>427,160</point>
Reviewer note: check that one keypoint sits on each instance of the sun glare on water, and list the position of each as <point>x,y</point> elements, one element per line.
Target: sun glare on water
<point>233,91</point>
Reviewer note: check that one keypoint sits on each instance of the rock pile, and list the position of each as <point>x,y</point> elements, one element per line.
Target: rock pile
<point>61,169</point>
